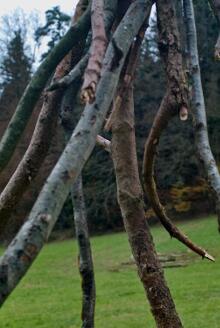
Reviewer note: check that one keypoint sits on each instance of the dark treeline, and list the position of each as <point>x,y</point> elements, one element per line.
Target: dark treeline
<point>180,179</point>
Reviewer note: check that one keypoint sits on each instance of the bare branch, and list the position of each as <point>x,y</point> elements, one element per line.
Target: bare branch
<point>98,48</point>
<point>104,143</point>
<point>34,233</point>
<point>130,198</point>
<point>36,86</point>
<point>85,255</point>
<point>175,100</point>
<point>199,111</point>
<point>75,74</point>
<point>44,131</point>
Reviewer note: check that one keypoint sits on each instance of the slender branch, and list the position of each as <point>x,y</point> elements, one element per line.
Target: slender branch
<point>85,255</point>
<point>174,101</point>
<point>75,74</point>
<point>199,111</point>
<point>98,48</point>
<point>44,131</point>
<point>130,198</point>
<point>215,4</point>
<point>104,143</point>
<point>32,93</point>
<point>27,244</point>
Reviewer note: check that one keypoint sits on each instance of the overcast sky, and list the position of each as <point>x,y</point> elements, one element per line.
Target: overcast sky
<point>40,5</point>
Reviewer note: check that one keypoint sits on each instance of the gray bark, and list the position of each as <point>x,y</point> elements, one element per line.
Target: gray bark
<point>35,232</point>
<point>199,111</point>
<point>35,87</point>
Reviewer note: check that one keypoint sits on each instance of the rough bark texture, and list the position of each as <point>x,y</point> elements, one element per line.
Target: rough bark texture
<point>31,95</point>
<point>27,244</point>
<point>85,255</point>
<point>174,102</point>
<point>43,133</point>
<point>97,52</point>
<point>199,111</point>
<point>215,4</point>
<point>130,198</point>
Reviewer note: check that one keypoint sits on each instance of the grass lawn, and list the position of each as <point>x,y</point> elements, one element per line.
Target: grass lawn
<point>50,297</point>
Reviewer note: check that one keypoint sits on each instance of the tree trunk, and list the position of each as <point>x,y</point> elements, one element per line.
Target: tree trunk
<point>130,198</point>
<point>199,111</point>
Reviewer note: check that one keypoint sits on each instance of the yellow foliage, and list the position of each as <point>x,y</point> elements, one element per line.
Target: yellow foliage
<point>184,196</point>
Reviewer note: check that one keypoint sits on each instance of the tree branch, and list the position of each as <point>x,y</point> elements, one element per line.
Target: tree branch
<point>130,198</point>
<point>32,93</point>
<point>97,52</point>
<point>199,111</point>
<point>104,143</point>
<point>85,255</point>
<point>44,131</point>
<point>175,100</point>
<point>27,244</point>
<point>75,74</point>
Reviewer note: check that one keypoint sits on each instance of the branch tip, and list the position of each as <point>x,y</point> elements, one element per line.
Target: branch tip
<point>209,257</point>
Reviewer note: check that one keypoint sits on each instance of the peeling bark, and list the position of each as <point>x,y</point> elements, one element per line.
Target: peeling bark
<point>215,4</point>
<point>97,52</point>
<point>44,131</point>
<point>199,111</point>
<point>35,87</point>
<point>85,255</point>
<point>130,198</point>
<point>27,244</point>
<point>174,102</point>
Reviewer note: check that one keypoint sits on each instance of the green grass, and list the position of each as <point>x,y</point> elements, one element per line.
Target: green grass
<point>50,297</point>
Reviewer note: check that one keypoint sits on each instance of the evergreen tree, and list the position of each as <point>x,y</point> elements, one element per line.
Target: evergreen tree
<point>16,66</point>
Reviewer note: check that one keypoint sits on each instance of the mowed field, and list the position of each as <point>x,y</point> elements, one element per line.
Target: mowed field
<point>50,296</point>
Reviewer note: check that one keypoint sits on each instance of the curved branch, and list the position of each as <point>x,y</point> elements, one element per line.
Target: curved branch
<point>160,122</point>
<point>175,100</point>
<point>27,244</point>
<point>32,93</point>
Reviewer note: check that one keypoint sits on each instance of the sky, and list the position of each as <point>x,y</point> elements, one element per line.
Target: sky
<point>7,6</point>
